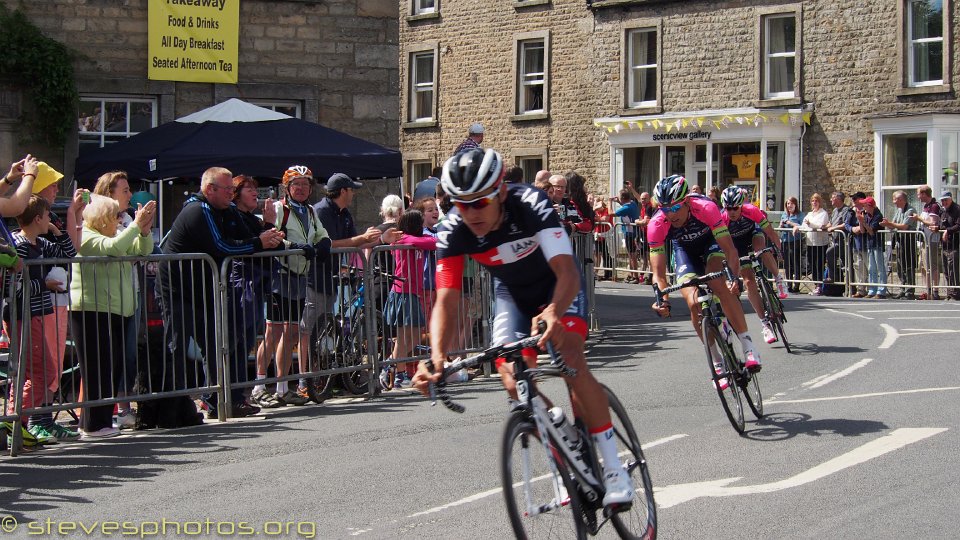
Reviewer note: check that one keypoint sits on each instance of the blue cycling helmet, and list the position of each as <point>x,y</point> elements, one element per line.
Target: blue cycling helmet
<point>671,190</point>
<point>732,197</point>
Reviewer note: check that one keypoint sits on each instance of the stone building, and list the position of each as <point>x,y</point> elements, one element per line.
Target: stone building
<point>333,62</point>
<point>783,98</point>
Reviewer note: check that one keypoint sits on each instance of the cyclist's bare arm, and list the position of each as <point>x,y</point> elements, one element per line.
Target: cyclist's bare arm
<point>658,261</point>
<point>567,288</point>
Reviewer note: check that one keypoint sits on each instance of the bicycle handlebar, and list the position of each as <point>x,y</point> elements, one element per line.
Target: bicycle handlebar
<point>755,256</point>
<point>692,282</point>
<point>438,391</point>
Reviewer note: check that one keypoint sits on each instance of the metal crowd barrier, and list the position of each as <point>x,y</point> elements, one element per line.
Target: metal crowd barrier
<point>584,253</point>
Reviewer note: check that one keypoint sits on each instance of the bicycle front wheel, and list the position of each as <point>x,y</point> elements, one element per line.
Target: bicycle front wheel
<point>751,390</point>
<point>774,309</point>
<point>358,382</point>
<point>640,521</point>
<point>542,500</point>
<point>725,375</point>
<point>323,350</point>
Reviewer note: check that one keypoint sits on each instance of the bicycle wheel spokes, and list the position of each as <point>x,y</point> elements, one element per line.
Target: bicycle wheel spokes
<point>729,396</point>
<point>541,499</point>
<point>640,521</point>
<point>751,390</point>
<point>322,357</point>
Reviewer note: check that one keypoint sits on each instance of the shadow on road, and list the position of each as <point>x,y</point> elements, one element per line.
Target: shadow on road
<point>786,425</point>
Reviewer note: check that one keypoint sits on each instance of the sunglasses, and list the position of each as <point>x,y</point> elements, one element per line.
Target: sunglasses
<point>672,209</point>
<point>476,204</point>
<point>731,208</point>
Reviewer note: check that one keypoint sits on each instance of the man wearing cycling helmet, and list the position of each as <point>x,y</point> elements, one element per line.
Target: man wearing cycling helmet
<point>747,225</point>
<point>701,242</point>
<point>515,233</point>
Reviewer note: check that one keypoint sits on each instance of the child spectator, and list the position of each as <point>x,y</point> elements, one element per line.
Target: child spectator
<point>403,311</point>
<point>34,285</point>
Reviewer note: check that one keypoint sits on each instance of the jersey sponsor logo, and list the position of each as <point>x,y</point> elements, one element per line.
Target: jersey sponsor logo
<point>540,206</point>
<point>508,252</point>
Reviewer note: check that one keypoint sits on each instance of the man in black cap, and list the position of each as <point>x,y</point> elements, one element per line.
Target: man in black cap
<point>950,225</point>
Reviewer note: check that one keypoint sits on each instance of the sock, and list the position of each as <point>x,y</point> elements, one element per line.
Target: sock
<point>715,355</point>
<point>281,388</point>
<point>302,383</point>
<point>746,342</point>
<point>42,419</point>
<point>260,387</point>
<point>605,442</point>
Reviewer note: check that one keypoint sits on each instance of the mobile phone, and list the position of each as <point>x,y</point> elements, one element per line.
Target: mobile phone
<point>85,195</point>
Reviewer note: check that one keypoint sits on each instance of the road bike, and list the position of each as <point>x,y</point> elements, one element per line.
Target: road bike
<point>772,305</point>
<point>339,342</point>
<point>732,380</point>
<point>552,474</point>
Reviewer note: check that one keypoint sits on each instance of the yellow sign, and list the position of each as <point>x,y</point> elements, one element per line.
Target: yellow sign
<point>193,40</point>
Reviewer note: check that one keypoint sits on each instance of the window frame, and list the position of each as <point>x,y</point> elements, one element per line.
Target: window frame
<point>411,161</point>
<point>780,99</point>
<point>416,13</point>
<point>524,154</point>
<point>272,104</point>
<point>410,93</point>
<point>911,42</point>
<point>102,134</point>
<point>906,58</point>
<point>520,41</point>
<point>643,107</point>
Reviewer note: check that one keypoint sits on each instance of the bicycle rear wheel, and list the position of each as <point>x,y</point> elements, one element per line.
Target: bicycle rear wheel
<point>640,521</point>
<point>530,485</point>
<point>729,396</point>
<point>323,350</point>
<point>774,308</point>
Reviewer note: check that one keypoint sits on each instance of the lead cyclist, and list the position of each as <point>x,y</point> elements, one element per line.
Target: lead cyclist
<point>514,232</point>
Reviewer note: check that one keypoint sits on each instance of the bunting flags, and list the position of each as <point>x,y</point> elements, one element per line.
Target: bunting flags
<point>721,121</point>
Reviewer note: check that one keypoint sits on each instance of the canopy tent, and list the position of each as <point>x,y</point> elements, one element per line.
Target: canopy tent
<point>245,139</point>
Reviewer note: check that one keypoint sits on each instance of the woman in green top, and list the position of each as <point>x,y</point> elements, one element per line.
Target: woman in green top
<point>102,299</point>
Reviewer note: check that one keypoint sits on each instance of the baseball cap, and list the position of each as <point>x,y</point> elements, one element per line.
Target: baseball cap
<point>476,128</point>
<point>946,195</point>
<point>46,175</point>
<point>869,200</point>
<point>340,181</point>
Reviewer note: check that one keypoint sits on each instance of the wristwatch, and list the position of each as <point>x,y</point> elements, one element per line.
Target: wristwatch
<point>5,180</point>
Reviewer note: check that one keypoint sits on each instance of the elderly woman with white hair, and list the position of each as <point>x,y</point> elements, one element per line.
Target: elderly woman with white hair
<point>102,299</point>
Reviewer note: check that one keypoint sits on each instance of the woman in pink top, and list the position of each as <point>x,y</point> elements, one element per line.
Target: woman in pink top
<point>403,311</point>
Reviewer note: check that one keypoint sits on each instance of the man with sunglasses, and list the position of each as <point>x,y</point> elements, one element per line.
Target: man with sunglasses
<point>515,233</point>
<point>701,242</point>
<point>747,225</point>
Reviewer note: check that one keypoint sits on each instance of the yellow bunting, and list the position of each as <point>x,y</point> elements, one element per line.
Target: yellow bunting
<point>806,118</point>
<point>700,121</point>
<point>785,119</point>
<point>685,122</point>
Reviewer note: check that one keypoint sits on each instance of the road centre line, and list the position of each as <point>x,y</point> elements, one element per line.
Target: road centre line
<point>849,313</point>
<point>840,374</point>
<point>857,396</point>
<point>489,492</point>
<point>679,493</point>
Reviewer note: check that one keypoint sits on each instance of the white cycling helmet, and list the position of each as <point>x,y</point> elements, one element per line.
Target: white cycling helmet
<point>471,171</point>
<point>732,197</point>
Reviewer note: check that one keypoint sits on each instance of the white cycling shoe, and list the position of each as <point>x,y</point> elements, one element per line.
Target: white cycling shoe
<point>768,334</point>
<point>618,486</point>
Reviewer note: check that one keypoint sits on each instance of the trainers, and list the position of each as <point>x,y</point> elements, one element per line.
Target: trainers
<point>767,332</point>
<point>42,434</point>
<point>100,433</point>
<point>753,362</point>
<point>385,379</point>
<point>302,392</point>
<point>64,434</point>
<point>241,410</point>
<point>126,420</point>
<point>292,398</point>
<point>618,487</point>
<point>265,400</point>
<point>781,289</point>
<point>816,292</point>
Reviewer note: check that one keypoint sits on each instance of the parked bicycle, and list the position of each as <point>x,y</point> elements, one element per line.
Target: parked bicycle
<point>550,470</point>
<point>339,345</point>
<point>772,305</point>
<point>731,378</point>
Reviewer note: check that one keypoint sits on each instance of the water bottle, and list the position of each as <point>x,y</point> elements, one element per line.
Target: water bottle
<point>568,432</point>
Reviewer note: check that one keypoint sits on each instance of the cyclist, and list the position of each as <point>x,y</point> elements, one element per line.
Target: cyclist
<point>747,225</point>
<point>514,231</point>
<point>701,241</point>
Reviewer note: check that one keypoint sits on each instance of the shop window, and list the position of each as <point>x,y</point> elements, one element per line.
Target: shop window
<point>641,166</point>
<point>642,74</point>
<point>105,120</point>
<point>904,167</point>
<point>779,56</point>
<point>925,44</point>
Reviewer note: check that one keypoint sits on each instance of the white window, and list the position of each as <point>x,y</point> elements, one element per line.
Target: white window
<point>779,56</point>
<point>422,86</point>
<point>531,165</point>
<point>642,68</point>
<point>105,120</point>
<point>289,108</point>
<point>925,42</point>
<point>532,78</point>
<point>423,7</point>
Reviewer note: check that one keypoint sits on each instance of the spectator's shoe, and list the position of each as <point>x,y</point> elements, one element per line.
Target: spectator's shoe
<point>385,379</point>
<point>29,439</point>
<point>241,410</point>
<point>100,433</point>
<point>292,398</point>
<point>781,289</point>
<point>723,383</point>
<point>870,295</point>
<point>126,420</point>
<point>42,433</point>
<point>401,380</point>
<point>302,392</point>
<point>936,296</point>
<point>767,332</point>
<point>817,291</point>
<point>908,295</point>
<point>753,362</point>
<point>619,490</point>
<point>857,295</point>
<point>881,296</point>
<point>63,434</point>
<point>265,400</point>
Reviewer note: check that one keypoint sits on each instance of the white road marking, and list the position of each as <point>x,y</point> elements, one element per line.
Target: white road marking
<point>680,493</point>
<point>489,492</point>
<point>850,313</point>
<point>919,318</point>
<point>921,331</point>
<point>814,380</point>
<point>840,374</point>
<point>890,338</point>
<point>857,396</point>
<point>911,311</point>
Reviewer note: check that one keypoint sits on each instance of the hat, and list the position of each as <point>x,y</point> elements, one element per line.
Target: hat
<point>858,195</point>
<point>426,188</point>
<point>296,171</point>
<point>946,195</point>
<point>869,200</point>
<point>46,176</point>
<point>340,181</point>
<point>476,129</point>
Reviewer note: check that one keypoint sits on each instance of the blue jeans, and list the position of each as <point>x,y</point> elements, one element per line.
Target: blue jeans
<point>877,270</point>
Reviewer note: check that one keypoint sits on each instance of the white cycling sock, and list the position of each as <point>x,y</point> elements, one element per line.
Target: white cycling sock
<point>282,388</point>
<point>260,387</point>
<point>715,355</point>
<point>746,342</point>
<point>605,442</point>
